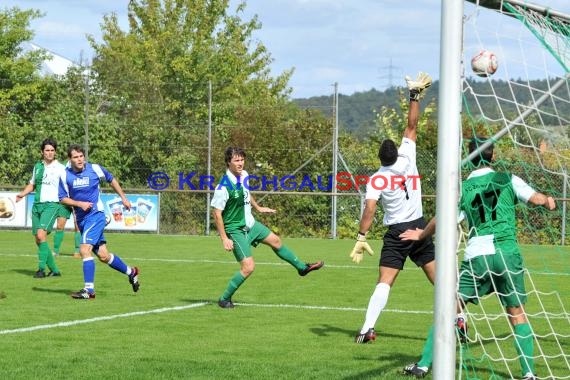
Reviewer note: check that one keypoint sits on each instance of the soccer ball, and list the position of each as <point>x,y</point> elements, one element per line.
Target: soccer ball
<point>484,64</point>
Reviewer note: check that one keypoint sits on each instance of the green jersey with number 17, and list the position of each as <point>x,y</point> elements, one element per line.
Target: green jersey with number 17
<point>488,202</point>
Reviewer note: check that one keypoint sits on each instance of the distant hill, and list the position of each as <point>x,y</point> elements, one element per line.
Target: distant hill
<point>357,111</point>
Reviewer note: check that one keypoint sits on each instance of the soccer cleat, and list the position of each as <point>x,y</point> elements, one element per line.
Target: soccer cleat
<point>461,327</point>
<point>529,376</point>
<point>134,279</point>
<point>366,337</point>
<point>311,267</point>
<point>40,273</point>
<point>414,370</point>
<point>54,274</point>
<point>225,304</point>
<point>83,294</point>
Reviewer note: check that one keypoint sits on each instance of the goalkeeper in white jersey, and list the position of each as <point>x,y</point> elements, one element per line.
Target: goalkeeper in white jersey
<point>492,261</point>
<point>402,204</point>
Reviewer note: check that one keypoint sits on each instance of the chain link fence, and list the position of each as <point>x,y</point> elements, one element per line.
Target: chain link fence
<point>301,192</point>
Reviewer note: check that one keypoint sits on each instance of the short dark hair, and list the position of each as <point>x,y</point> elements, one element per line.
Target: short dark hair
<point>75,147</point>
<point>388,152</point>
<point>48,141</point>
<point>485,157</point>
<point>233,151</point>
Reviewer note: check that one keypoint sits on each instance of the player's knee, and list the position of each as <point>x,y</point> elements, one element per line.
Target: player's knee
<point>41,235</point>
<point>273,241</point>
<point>104,256</point>
<point>247,268</point>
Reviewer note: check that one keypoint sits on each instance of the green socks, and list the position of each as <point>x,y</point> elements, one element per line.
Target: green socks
<point>427,353</point>
<point>233,285</point>
<point>57,239</point>
<point>287,255</point>
<point>524,343</point>
<point>77,241</point>
<point>43,254</point>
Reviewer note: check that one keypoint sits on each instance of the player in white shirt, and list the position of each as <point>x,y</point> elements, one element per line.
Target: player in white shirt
<point>399,192</point>
<point>46,208</point>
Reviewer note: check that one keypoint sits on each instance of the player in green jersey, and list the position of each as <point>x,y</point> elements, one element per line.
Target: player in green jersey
<point>492,261</point>
<point>46,208</point>
<point>232,203</point>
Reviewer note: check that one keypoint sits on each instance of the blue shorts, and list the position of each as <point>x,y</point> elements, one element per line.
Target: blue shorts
<point>91,228</point>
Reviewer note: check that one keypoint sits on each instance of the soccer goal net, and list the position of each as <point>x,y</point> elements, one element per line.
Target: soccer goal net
<point>524,107</point>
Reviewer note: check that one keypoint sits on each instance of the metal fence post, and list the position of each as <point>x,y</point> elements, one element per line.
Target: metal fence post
<point>564,188</point>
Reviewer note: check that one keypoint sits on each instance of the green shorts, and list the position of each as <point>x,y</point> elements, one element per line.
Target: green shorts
<point>64,212</point>
<point>44,215</point>
<point>244,240</point>
<point>502,273</point>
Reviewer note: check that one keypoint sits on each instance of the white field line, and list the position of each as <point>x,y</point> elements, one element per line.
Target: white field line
<point>102,318</point>
<point>191,306</point>
<point>233,262</point>
<point>196,305</point>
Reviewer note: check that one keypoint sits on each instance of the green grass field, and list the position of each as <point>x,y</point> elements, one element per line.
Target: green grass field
<point>284,326</point>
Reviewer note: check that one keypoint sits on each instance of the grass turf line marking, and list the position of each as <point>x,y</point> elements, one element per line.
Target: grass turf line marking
<point>192,306</point>
<point>105,318</point>
<point>334,308</point>
<point>200,304</point>
<point>206,261</point>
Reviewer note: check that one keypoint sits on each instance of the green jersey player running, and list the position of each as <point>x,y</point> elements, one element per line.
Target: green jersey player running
<point>492,261</point>
<point>239,230</point>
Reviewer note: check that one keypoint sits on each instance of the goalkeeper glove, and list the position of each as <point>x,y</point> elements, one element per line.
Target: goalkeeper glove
<point>417,86</point>
<point>358,251</point>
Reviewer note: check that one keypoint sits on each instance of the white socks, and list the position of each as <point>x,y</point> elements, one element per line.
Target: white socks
<point>376,304</point>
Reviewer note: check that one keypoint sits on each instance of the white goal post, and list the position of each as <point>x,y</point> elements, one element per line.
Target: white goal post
<point>543,116</point>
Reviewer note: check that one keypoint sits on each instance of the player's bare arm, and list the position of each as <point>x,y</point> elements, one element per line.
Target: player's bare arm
<point>417,87</point>
<point>115,186</point>
<point>539,199</point>
<point>361,245</point>
<point>27,190</point>
<point>367,216</point>
<point>259,208</point>
<point>418,233</point>
<point>413,116</point>
<point>80,204</point>
<point>226,242</point>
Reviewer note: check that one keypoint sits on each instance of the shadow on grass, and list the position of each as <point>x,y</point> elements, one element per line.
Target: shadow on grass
<point>25,272</point>
<point>391,367</point>
<point>46,290</point>
<point>209,302</point>
<point>67,255</point>
<point>328,330</point>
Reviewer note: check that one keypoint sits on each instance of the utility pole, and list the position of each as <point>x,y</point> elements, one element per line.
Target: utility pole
<point>387,79</point>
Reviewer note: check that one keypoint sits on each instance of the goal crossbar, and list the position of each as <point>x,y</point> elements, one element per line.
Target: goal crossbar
<point>499,5</point>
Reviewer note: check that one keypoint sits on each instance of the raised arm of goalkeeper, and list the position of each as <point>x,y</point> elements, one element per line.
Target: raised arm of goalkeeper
<point>417,87</point>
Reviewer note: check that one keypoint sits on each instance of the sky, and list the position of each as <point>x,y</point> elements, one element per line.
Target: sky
<point>358,44</point>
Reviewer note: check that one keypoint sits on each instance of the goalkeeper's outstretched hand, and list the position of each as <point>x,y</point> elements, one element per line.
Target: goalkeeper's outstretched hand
<point>359,247</point>
<point>418,86</point>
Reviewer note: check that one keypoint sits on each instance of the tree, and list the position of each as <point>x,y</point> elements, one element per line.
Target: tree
<point>156,76</point>
<point>22,94</point>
